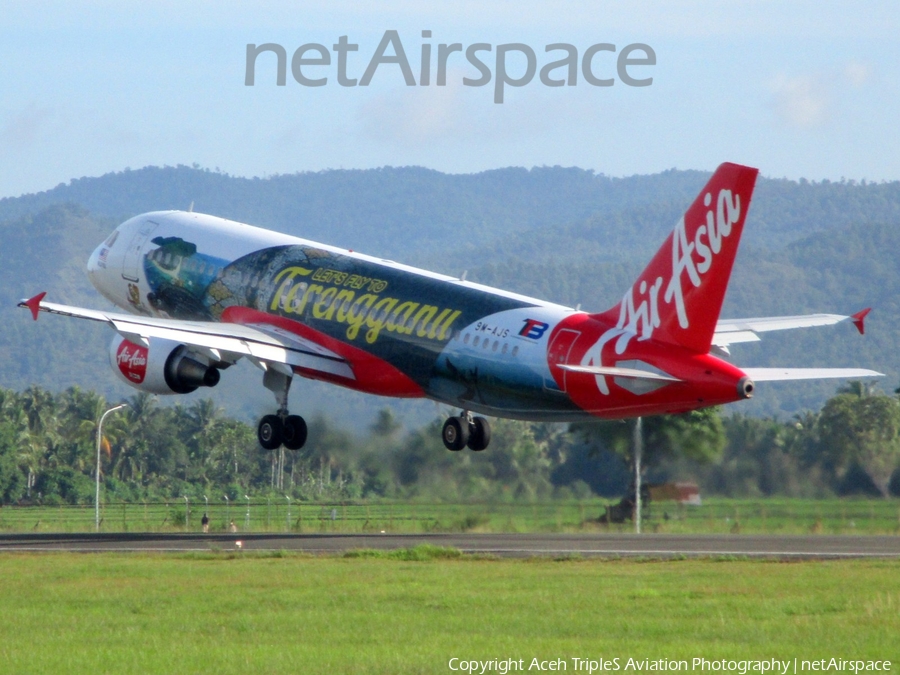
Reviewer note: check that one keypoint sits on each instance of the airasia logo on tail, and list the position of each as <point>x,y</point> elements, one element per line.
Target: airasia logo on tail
<point>132,361</point>
<point>678,297</point>
<point>643,317</point>
<point>728,212</point>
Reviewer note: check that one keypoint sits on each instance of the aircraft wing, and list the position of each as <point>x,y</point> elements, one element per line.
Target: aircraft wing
<point>263,344</point>
<point>731,331</point>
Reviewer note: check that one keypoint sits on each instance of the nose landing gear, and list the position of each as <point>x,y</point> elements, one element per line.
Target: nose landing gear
<point>466,430</point>
<point>281,428</point>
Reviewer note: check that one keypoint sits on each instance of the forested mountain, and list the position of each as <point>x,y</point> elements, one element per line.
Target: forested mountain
<point>558,233</point>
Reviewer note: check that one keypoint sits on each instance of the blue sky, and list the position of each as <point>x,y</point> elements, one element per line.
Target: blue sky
<point>799,89</point>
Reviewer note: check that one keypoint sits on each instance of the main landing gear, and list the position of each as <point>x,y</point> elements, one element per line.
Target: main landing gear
<point>458,432</point>
<point>280,428</point>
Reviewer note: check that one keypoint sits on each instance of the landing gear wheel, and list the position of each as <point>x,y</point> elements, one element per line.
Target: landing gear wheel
<point>455,433</point>
<point>294,432</point>
<point>270,432</point>
<point>479,434</point>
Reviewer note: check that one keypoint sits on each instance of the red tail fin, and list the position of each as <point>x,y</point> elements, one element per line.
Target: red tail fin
<point>678,297</point>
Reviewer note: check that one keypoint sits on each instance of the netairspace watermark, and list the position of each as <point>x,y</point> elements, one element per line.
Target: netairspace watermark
<point>600,64</point>
<point>701,665</point>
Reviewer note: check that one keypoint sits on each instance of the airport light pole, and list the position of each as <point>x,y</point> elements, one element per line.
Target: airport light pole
<point>638,450</point>
<point>99,440</point>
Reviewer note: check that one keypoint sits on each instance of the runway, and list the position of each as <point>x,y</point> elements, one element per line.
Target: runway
<point>787,547</point>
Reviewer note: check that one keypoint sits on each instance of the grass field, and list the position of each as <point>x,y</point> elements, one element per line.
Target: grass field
<point>774,515</point>
<point>377,613</point>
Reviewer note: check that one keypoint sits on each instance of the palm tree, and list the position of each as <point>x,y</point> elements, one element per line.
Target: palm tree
<point>81,411</point>
<point>202,422</point>
<point>38,438</point>
<point>130,462</point>
<point>858,388</point>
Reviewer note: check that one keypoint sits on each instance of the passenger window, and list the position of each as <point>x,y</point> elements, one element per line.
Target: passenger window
<point>515,351</point>
<point>503,351</point>
<point>475,341</point>
<point>466,339</point>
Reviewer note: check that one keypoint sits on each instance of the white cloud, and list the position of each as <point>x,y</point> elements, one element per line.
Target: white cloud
<point>801,101</point>
<point>22,129</point>
<point>415,115</point>
<point>808,101</point>
<point>856,73</point>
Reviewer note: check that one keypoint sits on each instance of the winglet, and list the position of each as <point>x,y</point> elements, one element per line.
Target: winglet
<point>34,304</point>
<point>858,319</point>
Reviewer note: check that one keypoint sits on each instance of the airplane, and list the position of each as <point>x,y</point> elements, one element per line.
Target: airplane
<point>203,292</point>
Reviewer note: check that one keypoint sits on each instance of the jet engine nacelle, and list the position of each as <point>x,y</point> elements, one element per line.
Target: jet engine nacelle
<point>165,367</point>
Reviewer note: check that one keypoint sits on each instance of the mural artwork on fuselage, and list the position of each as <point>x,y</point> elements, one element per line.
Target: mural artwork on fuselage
<point>402,318</point>
<point>179,278</point>
<point>499,363</point>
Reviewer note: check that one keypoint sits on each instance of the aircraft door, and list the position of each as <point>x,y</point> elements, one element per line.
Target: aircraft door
<point>131,264</point>
<point>558,352</point>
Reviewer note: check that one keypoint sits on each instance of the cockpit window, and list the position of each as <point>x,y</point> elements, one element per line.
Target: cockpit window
<point>112,238</point>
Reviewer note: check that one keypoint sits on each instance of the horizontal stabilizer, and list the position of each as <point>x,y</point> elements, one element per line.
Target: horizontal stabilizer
<point>613,371</point>
<point>731,331</point>
<point>785,374</point>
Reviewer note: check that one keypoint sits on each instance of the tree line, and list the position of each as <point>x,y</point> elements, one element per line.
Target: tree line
<point>48,446</point>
